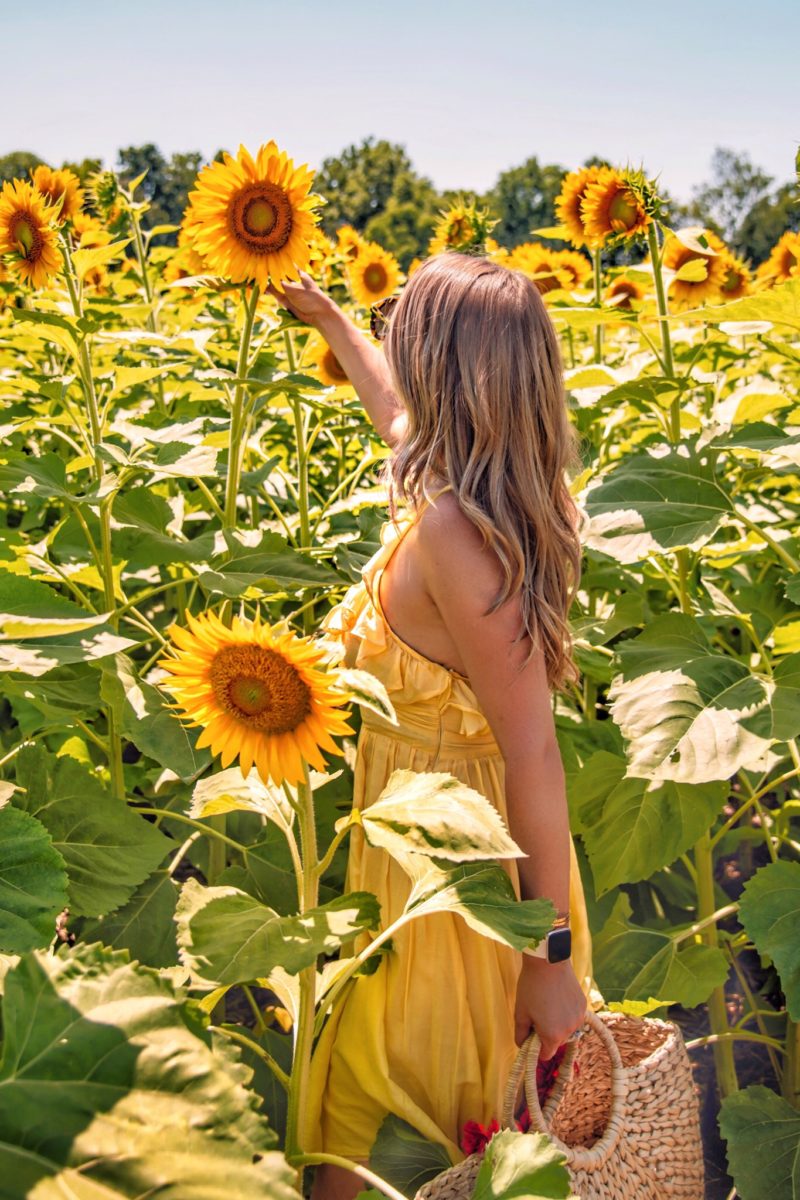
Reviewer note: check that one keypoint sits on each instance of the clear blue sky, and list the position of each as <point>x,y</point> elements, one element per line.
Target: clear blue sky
<point>469,88</point>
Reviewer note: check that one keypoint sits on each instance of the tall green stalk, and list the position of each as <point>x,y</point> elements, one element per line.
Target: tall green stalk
<point>703,853</point>
<point>301,440</point>
<point>598,299</point>
<point>106,563</point>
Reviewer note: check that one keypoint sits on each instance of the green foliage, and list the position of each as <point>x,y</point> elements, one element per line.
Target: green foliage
<point>737,186</point>
<point>146,1098</point>
<point>404,1158</point>
<point>763,1136</point>
<point>18,165</point>
<point>523,1165</point>
<point>33,883</point>
<point>523,198</point>
<point>770,908</point>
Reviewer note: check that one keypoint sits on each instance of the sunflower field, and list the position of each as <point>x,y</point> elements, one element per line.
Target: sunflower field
<point>189,483</point>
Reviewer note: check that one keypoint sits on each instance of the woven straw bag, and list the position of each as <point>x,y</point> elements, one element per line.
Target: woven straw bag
<point>628,1133</point>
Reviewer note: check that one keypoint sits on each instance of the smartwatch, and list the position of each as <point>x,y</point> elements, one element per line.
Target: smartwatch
<point>556,946</point>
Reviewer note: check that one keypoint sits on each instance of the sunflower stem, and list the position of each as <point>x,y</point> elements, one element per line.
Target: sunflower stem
<point>304,1027</point>
<point>106,557</point>
<point>235,455</point>
<point>598,299</point>
<point>152,323</point>
<point>302,470</point>
<point>663,325</point>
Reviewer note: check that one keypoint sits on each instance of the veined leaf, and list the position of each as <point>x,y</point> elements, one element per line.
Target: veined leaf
<point>33,882</point>
<point>225,936</point>
<point>762,1132</point>
<point>368,691</point>
<point>654,503</point>
<point>144,926</point>
<point>433,813</point>
<point>146,1101</point>
<point>38,656</point>
<point>779,304</point>
<point>527,1166</point>
<point>633,827</point>
<point>404,1158</point>
<point>29,609</point>
<point>769,909</point>
<point>231,791</point>
<point>87,259</point>
<point>107,848</point>
<point>691,714</point>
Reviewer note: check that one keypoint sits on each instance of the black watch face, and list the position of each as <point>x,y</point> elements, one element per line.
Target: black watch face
<point>559,945</point>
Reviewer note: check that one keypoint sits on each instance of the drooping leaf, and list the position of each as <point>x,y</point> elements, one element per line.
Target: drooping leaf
<point>634,963</point>
<point>483,896</point>
<point>429,812</point>
<point>37,656</point>
<point>641,825</point>
<point>762,1132</point>
<point>527,1166</point>
<point>231,791</point>
<point>272,566</point>
<point>146,1100</point>
<point>33,882</point>
<point>769,909</point>
<point>146,518</point>
<point>368,691</point>
<point>652,502</point>
<point>404,1157</point>
<point>690,713</point>
<point>107,848</point>
<point>146,721</point>
<point>29,609</point>
<point>225,936</point>
<point>145,926</point>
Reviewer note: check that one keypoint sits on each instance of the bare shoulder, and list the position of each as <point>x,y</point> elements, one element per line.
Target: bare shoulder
<point>452,547</point>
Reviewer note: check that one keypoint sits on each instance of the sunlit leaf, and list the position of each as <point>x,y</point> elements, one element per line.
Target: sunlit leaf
<point>33,882</point>
<point>769,909</point>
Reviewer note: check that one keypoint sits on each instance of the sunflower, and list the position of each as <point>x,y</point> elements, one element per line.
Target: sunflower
<point>686,293</point>
<point>26,234</point>
<point>610,207</point>
<point>783,262</point>
<point>254,218</point>
<point>63,186</point>
<point>258,693</point>
<point>88,232</point>
<point>622,292</point>
<point>574,265</point>
<point>541,265</point>
<point>738,278</point>
<point>569,201</point>
<point>97,279</point>
<point>348,241</point>
<point>326,363</point>
<point>373,274</point>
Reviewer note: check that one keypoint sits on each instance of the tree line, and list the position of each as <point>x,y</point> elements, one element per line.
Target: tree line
<point>374,187</point>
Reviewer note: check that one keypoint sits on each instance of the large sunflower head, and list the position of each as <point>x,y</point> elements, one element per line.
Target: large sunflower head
<point>783,262</point>
<point>27,235</point>
<point>373,274</point>
<point>704,277</point>
<point>325,362</point>
<point>258,692</point>
<point>622,292</point>
<point>59,187</point>
<point>254,218</point>
<point>611,208</point>
<point>569,201</point>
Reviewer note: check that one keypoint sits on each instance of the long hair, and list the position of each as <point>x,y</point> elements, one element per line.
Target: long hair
<point>475,361</point>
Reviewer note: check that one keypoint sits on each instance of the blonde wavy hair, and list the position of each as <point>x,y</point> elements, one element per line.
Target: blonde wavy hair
<point>476,363</point>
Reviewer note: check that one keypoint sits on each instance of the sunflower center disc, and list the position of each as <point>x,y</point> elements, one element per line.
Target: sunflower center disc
<point>260,217</point>
<point>25,236</point>
<point>622,211</point>
<point>375,277</point>
<point>260,688</point>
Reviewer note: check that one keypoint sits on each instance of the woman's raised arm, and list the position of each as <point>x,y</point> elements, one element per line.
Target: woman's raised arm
<point>363,363</point>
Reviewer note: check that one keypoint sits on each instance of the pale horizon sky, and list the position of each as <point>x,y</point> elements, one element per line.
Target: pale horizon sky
<point>470,89</point>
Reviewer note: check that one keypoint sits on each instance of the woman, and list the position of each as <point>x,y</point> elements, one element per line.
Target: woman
<point>467,628</point>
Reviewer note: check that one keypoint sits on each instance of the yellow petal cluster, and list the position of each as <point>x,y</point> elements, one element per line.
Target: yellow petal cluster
<point>325,362</point>
<point>56,186</point>
<point>27,236</point>
<point>688,293</point>
<point>258,693</point>
<point>611,207</point>
<point>622,292</point>
<point>373,274</point>
<point>569,204</point>
<point>254,218</point>
<point>783,262</point>
<point>549,269</point>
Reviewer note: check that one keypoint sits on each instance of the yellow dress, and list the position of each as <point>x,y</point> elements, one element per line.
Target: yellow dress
<point>430,1035</point>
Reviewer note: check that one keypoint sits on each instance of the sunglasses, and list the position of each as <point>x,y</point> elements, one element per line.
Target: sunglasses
<point>380,315</point>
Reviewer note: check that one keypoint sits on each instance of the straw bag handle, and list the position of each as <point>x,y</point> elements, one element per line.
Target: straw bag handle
<point>578,1157</point>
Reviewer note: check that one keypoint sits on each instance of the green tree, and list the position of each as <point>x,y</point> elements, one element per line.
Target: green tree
<point>524,199</point>
<point>166,185</point>
<point>85,168</point>
<point>736,187</point>
<point>406,224</point>
<point>358,183</point>
<point>767,220</point>
<point>18,165</point>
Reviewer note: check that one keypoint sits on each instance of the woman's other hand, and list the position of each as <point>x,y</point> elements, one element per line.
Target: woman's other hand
<point>304,299</point>
<point>549,998</point>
